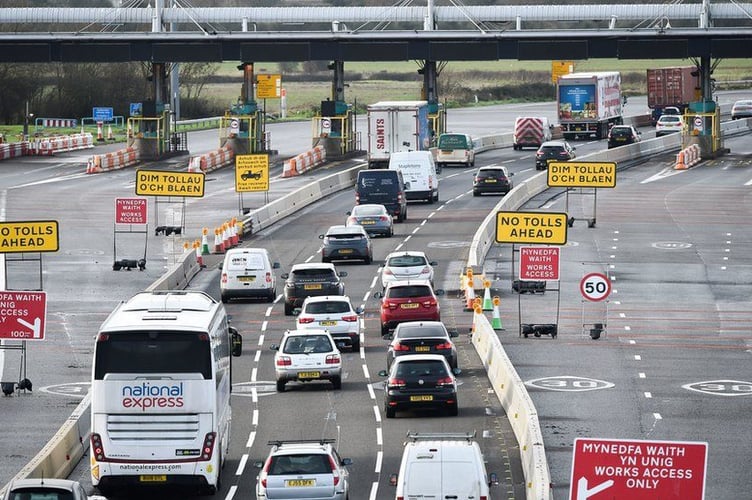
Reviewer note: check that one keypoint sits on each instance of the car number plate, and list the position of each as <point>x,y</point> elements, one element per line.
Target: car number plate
<point>309,374</point>
<point>490,181</point>
<point>315,286</point>
<point>246,278</point>
<point>413,305</point>
<point>150,478</point>
<point>346,250</point>
<point>422,348</point>
<point>299,483</point>
<point>367,222</point>
<point>328,323</point>
<point>422,397</point>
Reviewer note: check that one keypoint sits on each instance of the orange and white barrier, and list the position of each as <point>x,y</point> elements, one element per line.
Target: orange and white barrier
<point>212,160</point>
<point>112,161</point>
<point>688,157</point>
<point>51,145</point>
<point>304,162</point>
<point>14,149</point>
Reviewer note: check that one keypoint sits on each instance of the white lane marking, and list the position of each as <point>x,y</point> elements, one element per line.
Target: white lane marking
<point>398,247</point>
<point>407,238</point>
<point>371,394</point>
<point>231,493</point>
<point>641,375</point>
<point>379,437</point>
<point>379,458</point>
<point>254,420</point>
<point>374,491</point>
<point>257,356</point>
<point>366,374</point>
<point>637,357</point>
<point>373,283</point>
<point>657,416</point>
<point>254,395</point>
<point>251,440</point>
<point>268,311</point>
<point>377,413</point>
<point>424,222</point>
<point>261,339</point>
<point>648,395</point>
<point>365,297</point>
<point>241,465</point>
<point>253,374</point>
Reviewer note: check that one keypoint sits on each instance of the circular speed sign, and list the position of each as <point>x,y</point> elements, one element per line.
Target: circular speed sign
<point>595,287</point>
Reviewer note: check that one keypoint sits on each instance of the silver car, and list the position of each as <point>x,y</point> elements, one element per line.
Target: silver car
<point>307,356</point>
<point>47,489</point>
<point>406,265</point>
<point>335,314</point>
<point>303,469</point>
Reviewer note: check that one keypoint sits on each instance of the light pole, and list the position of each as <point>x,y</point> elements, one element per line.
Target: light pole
<point>27,116</point>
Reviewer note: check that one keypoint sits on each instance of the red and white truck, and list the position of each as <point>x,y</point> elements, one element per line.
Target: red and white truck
<point>531,131</point>
<point>671,87</point>
<point>589,103</point>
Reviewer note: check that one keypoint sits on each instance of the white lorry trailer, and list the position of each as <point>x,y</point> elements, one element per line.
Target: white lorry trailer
<point>396,126</point>
<point>589,104</point>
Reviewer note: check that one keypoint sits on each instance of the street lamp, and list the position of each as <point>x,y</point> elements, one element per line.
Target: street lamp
<point>27,116</point>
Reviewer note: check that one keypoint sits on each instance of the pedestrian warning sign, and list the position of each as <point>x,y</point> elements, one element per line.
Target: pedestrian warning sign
<point>31,236</point>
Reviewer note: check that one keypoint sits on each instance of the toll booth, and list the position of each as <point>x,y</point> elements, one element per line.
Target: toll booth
<point>242,130</point>
<point>149,132</point>
<point>702,126</point>
<point>335,129</point>
<point>437,120</point>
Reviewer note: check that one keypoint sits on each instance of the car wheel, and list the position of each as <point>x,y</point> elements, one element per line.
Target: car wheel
<point>391,232</point>
<point>337,383</point>
<point>384,330</point>
<point>288,309</point>
<point>280,386</point>
<point>272,295</point>
<point>476,193</point>
<point>225,299</point>
<point>453,410</point>
<point>325,260</point>
<point>367,260</point>
<point>389,411</point>
<point>356,344</point>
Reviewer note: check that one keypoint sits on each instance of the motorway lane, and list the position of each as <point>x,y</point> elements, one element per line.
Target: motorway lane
<point>676,248</point>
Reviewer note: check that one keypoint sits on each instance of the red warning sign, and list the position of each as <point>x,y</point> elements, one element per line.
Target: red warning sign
<point>22,315</point>
<point>539,263</point>
<point>638,470</point>
<point>130,210</point>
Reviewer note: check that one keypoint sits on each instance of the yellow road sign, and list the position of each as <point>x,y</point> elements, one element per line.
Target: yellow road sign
<point>559,68</point>
<point>164,183</point>
<point>531,227</point>
<point>268,86</point>
<point>581,174</point>
<point>31,236</point>
<point>251,173</point>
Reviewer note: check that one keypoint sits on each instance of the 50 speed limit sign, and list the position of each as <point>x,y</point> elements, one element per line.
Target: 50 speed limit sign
<point>595,287</point>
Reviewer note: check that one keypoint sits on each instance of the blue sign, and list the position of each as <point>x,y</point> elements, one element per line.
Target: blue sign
<point>577,101</point>
<point>102,114</point>
<point>137,109</point>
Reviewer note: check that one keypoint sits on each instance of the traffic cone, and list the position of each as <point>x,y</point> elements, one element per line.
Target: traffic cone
<point>487,302</point>
<point>110,137</point>
<point>226,236</point>
<point>205,241</point>
<point>680,165</point>
<point>234,231</point>
<point>469,291</point>
<point>477,311</point>
<point>219,247</point>
<point>100,136</point>
<point>199,257</point>
<point>496,321</point>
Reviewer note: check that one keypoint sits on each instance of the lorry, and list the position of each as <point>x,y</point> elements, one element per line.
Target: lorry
<point>397,126</point>
<point>671,87</point>
<point>589,103</point>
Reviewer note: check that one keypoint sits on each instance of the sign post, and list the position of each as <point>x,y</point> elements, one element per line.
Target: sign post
<point>579,174</point>
<point>130,212</point>
<point>638,470</point>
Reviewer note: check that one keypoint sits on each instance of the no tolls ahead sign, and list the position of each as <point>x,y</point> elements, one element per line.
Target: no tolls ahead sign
<point>22,315</point>
<point>606,469</point>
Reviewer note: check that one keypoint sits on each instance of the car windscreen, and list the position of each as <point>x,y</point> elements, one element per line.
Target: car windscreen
<point>423,331</point>
<point>312,275</point>
<point>307,344</point>
<point>40,494</point>
<point>490,173</point>
<point>621,132</point>
<point>404,292</point>
<point>453,141</point>
<point>336,306</point>
<point>152,352</point>
<point>406,261</point>
<point>378,182</point>
<point>300,464</point>
<point>422,368</point>
<point>361,211</point>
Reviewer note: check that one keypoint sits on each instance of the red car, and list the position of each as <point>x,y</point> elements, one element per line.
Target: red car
<point>408,300</point>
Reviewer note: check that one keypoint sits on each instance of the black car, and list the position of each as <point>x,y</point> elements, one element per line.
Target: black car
<point>422,337</point>
<point>420,381</point>
<point>620,135</point>
<point>492,180</point>
<point>310,279</point>
<point>553,150</point>
<point>346,243</point>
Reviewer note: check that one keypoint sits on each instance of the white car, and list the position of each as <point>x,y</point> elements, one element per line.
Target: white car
<point>47,489</point>
<point>335,314</point>
<point>406,265</point>
<point>307,356</point>
<point>741,109</point>
<point>668,124</point>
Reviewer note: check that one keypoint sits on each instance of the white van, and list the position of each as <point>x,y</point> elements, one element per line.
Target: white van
<point>419,172</point>
<point>442,465</point>
<point>455,149</point>
<point>248,272</point>
<point>531,131</point>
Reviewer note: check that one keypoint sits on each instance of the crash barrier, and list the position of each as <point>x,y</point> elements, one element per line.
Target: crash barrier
<point>534,460</point>
<point>688,157</point>
<point>304,162</point>
<point>12,150</point>
<point>63,143</point>
<point>112,161</point>
<point>60,455</point>
<point>212,160</point>
<point>56,122</point>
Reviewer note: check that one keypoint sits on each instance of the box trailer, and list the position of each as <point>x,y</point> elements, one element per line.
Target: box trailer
<point>589,103</point>
<point>671,87</point>
<point>396,126</point>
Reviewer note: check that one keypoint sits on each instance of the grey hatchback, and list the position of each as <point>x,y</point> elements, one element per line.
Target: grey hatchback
<point>346,243</point>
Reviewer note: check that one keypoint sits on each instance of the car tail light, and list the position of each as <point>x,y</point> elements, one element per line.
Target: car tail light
<point>224,278</point>
<point>475,179</point>
<point>97,448</point>
<point>445,345</point>
<point>388,271</point>
<point>400,196</point>
<point>350,319</point>
<point>396,382</point>
<point>305,320</point>
<point>384,218</point>
<point>445,381</point>
<point>268,277</point>
<point>425,270</point>
<point>401,347</point>
<point>284,361</point>
<point>539,154</point>
<point>208,449</point>
<point>357,198</point>
<point>391,305</point>
<point>267,465</point>
<point>351,221</point>
<point>335,472</point>
<point>332,359</point>
<point>429,303</point>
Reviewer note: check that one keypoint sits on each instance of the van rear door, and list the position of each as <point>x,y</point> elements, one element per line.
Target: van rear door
<point>459,480</point>
<point>421,480</point>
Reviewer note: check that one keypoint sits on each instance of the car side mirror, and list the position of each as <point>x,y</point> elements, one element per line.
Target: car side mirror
<point>359,310</point>
<point>387,336</point>
<point>236,341</point>
<point>456,371</point>
<point>493,479</point>
<point>297,311</point>
<point>342,274</point>
<point>383,373</point>
<point>378,295</point>
<point>393,479</point>
<point>274,347</point>
<point>511,174</point>
<point>220,265</point>
<point>285,276</point>
<point>454,333</point>
<point>439,292</point>
<point>275,265</point>
<point>407,186</point>
<point>346,461</point>
<point>433,263</point>
<point>322,236</point>
<point>258,464</point>
<point>348,213</point>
